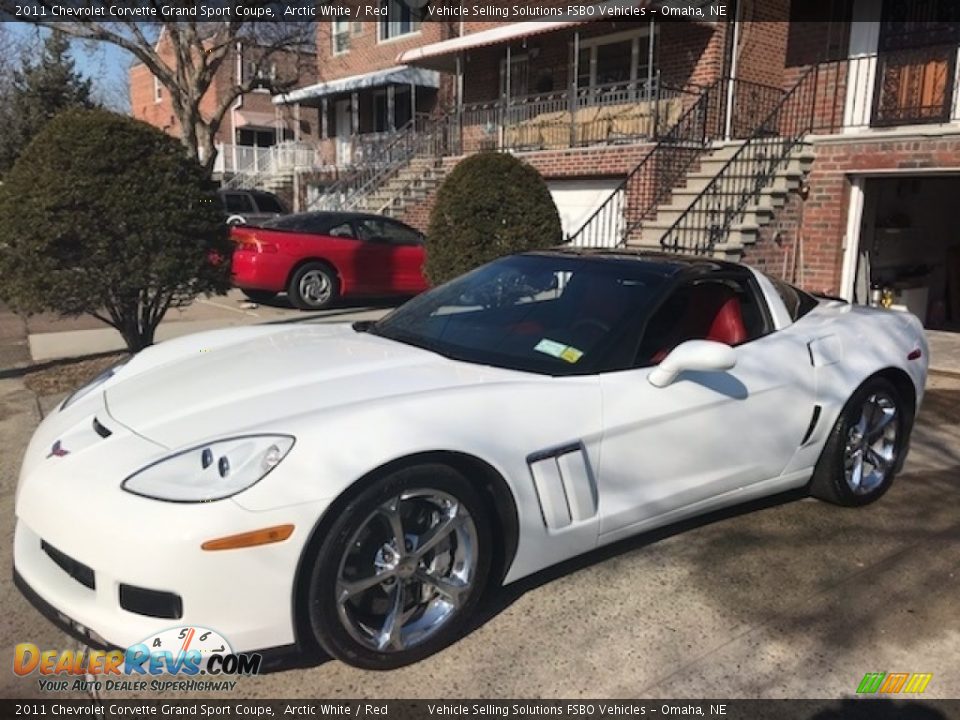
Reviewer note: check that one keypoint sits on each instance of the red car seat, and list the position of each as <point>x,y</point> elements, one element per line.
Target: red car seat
<point>712,312</point>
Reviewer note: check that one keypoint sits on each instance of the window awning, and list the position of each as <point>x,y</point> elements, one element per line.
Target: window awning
<point>399,75</point>
<point>442,55</point>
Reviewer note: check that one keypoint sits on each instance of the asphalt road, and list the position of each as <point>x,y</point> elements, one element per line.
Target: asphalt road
<point>792,598</point>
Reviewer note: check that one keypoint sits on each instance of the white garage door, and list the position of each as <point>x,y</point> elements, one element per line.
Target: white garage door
<point>578,199</point>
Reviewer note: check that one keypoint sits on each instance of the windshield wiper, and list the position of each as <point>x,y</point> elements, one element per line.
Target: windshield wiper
<point>362,326</point>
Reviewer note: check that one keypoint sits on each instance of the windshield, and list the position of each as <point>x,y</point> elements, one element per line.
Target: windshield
<point>540,313</point>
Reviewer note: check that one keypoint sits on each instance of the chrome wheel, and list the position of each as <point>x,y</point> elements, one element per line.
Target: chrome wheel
<point>315,287</point>
<point>871,444</point>
<point>406,570</point>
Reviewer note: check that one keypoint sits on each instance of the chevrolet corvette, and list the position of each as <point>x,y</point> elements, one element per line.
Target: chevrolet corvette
<point>358,488</point>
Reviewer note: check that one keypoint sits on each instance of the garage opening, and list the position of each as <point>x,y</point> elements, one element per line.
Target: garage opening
<point>909,252</point>
<point>577,200</point>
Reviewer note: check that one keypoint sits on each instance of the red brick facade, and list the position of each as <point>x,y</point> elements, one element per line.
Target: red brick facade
<point>151,102</point>
<point>819,223</point>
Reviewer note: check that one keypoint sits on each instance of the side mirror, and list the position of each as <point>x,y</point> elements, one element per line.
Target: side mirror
<point>698,355</point>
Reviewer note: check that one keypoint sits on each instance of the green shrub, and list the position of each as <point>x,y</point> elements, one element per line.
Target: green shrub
<point>106,215</point>
<point>490,205</point>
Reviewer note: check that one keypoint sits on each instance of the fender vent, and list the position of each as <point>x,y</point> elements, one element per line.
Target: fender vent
<point>813,424</point>
<point>564,484</point>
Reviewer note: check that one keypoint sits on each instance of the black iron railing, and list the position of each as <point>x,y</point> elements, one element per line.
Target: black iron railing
<point>651,181</point>
<point>422,136</point>
<point>725,199</point>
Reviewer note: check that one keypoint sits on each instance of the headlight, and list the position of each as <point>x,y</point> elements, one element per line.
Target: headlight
<point>210,472</point>
<point>99,380</point>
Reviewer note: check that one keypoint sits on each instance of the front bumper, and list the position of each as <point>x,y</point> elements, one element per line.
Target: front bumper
<point>74,504</point>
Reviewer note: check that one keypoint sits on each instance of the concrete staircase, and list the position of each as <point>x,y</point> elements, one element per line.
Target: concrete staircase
<point>759,211</point>
<point>410,185</point>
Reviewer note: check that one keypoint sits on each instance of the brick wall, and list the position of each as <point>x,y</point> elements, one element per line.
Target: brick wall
<point>146,106</point>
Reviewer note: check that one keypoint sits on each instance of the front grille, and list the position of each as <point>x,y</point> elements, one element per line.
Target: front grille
<point>77,570</point>
<point>152,603</point>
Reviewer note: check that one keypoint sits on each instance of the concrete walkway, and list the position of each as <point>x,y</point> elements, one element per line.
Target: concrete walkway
<point>944,351</point>
<point>43,338</point>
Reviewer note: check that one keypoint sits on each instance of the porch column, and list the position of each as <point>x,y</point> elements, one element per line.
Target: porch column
<point>354,113</point>
<point>506,103</point>
<point>296,123</point>
<point>574,77</point>
<point>650,59</point>
<point>391,117</point>
<point>459,131</point>
<point>413,104</point>
<point>325,119</point>
<point>655,107</point>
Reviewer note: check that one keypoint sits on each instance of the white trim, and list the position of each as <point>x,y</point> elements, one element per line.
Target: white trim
<point>335,33</point>
<point>157,90</point>
<point>851,237</point>
<point>414,24</point>
<point>637,59</point>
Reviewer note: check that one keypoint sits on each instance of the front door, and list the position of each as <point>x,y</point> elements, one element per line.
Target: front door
<point>671,451</point>
<point>344,119</point>
<point>916,62</point>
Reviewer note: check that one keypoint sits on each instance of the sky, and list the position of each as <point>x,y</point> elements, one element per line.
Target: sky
<point>105,64</point>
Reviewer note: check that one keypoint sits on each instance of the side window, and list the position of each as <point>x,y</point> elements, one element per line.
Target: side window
<point>344,230</point>
<point>238,203</point>
<point>401,234</point>
<point>798,303</point>
<point>268,203</point>
<point>724,310</point>
<point>370,230</point>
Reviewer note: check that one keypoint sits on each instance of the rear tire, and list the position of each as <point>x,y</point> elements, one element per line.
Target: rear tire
<point>259,296</point>
<point>314,286</point>
<point>432,579</point>
<point>865,447</point>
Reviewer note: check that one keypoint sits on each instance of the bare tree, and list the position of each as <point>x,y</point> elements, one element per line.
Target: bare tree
<point>187,56</point>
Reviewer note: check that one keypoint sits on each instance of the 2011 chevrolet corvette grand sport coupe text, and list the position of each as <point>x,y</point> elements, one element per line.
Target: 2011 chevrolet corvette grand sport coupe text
<point>359,487</point>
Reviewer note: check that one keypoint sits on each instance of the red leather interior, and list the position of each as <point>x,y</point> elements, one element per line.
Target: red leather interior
<point>712,313</point>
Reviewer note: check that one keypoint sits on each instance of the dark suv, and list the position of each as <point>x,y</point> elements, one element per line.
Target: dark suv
<point>250,207</point>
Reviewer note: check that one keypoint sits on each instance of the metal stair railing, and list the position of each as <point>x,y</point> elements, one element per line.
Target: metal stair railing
<point>656,174</point>
<point>723,202</point>
<point>419,136</point>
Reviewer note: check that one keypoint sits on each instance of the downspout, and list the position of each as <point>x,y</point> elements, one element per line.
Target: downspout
<point>238,103</point>
<point>733,52</point>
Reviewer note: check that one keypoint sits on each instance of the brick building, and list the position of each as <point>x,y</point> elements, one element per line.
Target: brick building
<point>819,140</point>
<point>254,131</point>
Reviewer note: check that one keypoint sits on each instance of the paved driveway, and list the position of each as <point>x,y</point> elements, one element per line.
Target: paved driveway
<point>790,599</point>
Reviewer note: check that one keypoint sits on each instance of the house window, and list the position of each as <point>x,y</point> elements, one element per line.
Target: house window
<point>263,74</point>
<point>401,20</point>
<point>619,59</point>
<point>341,37</point>
<point>157,90</point>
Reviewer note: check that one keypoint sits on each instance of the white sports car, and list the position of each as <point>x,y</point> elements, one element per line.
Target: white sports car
<point>359,487</point>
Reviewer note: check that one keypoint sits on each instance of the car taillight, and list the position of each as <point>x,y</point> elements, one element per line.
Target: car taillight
<point>254,244</point>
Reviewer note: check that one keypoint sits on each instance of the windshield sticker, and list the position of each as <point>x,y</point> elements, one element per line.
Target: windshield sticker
<point>559,350</point>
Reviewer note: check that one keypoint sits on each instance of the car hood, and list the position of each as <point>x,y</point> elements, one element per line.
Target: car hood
<point>253,380</point>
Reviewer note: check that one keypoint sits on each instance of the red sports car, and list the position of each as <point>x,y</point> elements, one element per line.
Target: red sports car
<point>319,257</point>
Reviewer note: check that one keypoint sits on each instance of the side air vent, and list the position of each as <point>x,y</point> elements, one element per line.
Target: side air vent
<point>101,430</point>
<point>565,485</point>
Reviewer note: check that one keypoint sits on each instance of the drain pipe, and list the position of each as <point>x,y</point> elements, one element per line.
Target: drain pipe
<point>731,81</point>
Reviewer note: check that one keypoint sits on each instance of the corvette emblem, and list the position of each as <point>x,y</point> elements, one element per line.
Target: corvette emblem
<point>57,450</point>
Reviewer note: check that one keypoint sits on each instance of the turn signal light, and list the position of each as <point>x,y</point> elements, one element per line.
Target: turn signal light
<point>277,533</point>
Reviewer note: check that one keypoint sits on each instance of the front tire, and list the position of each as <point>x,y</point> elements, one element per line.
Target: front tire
<point>313,286</point>
<point>863,452</point>
<point>401,569</point>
